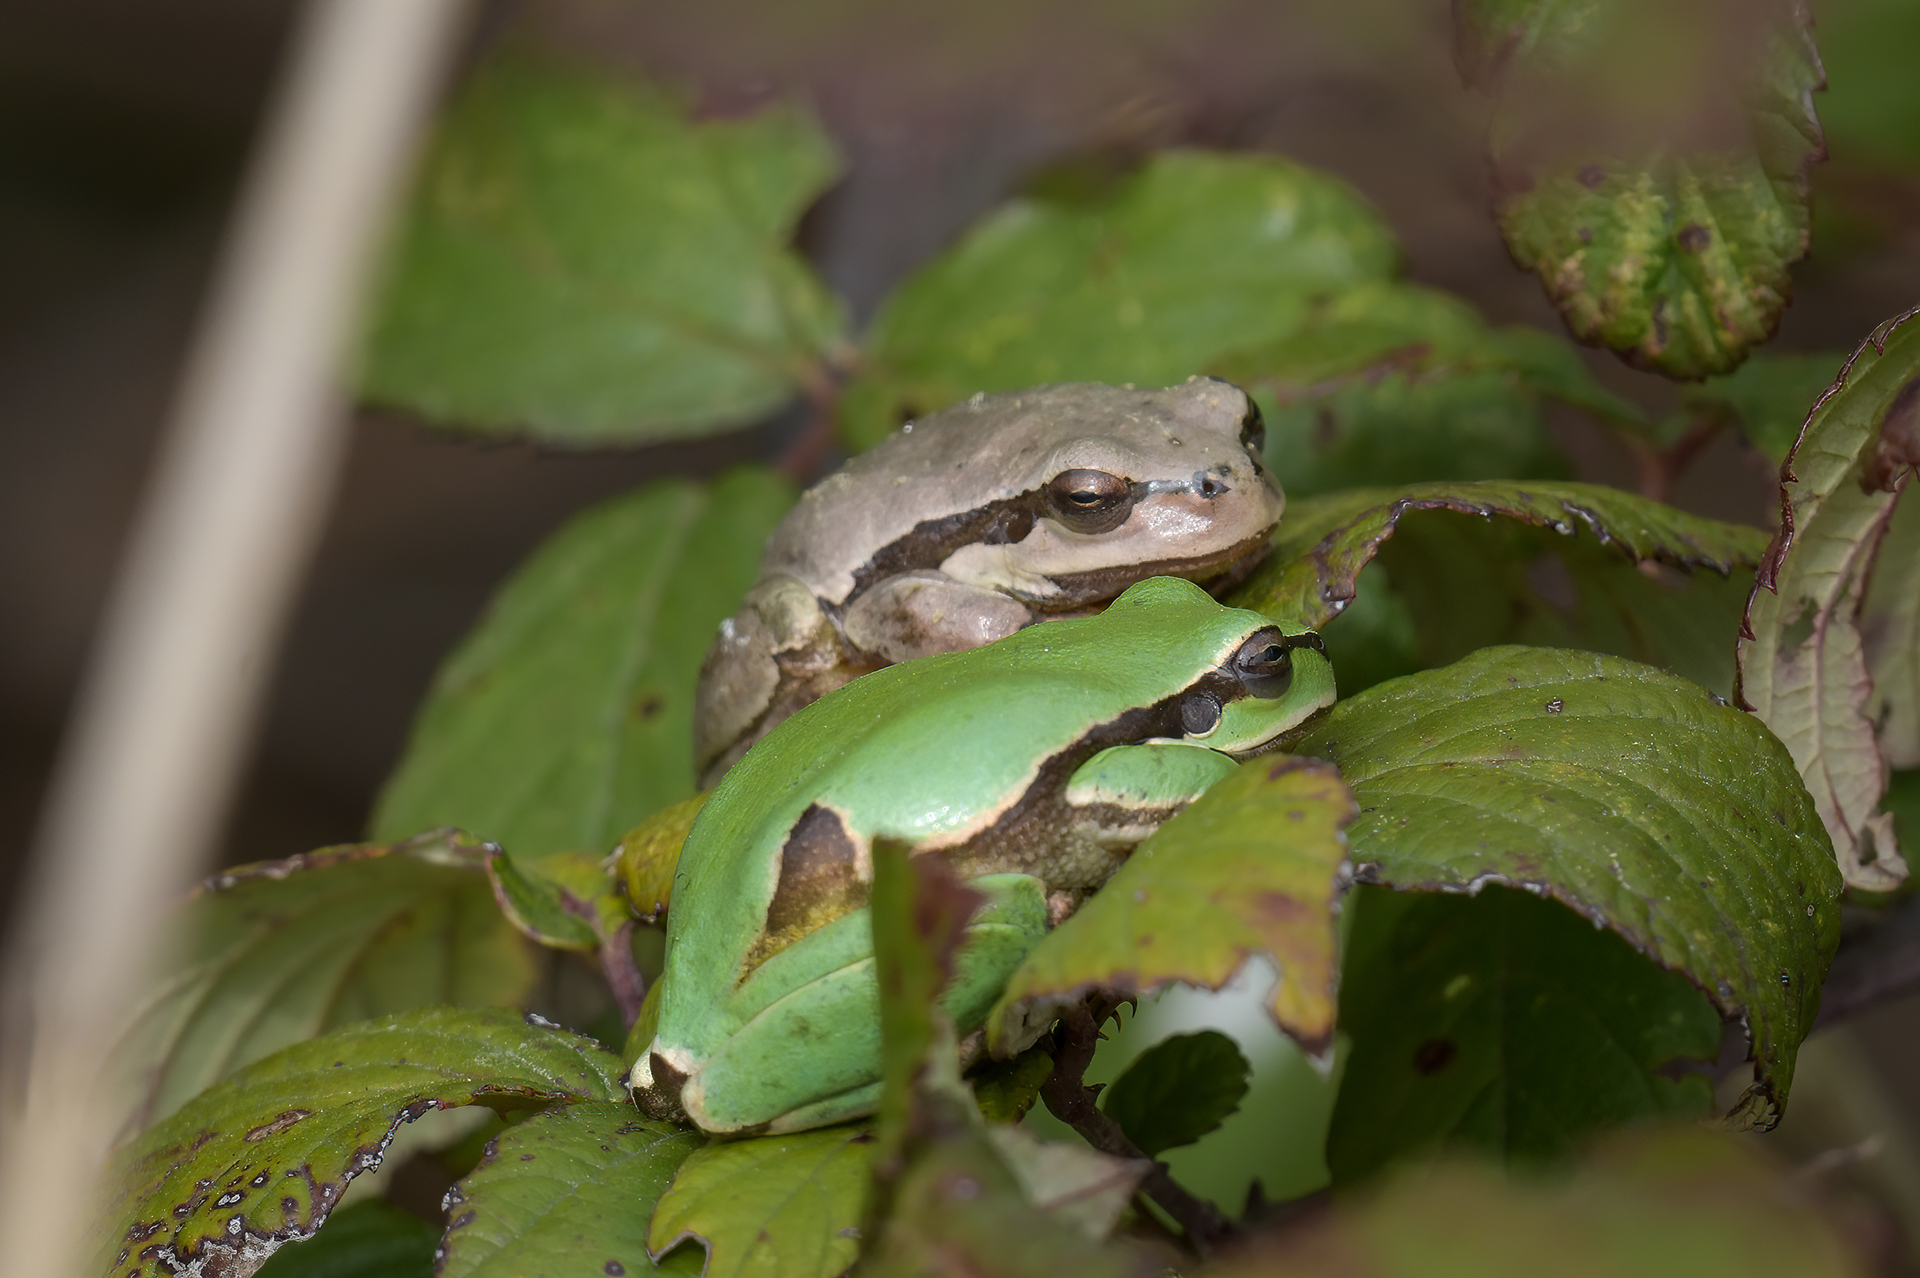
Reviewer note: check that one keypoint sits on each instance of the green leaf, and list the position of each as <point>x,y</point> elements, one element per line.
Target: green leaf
<point>372,1239</point>
<point>1630,795</point>
<point>1804,668</point>
<point>1651,165</point>
<point>1178,1090</point>
<point>1254,866</point>
<point>770,1206</point>
<point>1324,542</point>
<point>1507,1024</point>
<point>1006,1090</point>
<point>569,1190</point>
<point>262,1158</point>
<point>566,900</point>
<point>269,954</point>
<point>1194,256</point>
<point>1768,397</point>
<point>1662,1203</point>
<point>567,715</point>
<point>1389,383</point>
<point>647,855</point>
<point>583,263</point>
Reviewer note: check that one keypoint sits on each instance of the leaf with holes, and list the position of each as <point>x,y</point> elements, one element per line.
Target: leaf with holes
<point>780,1206</point>
<point>1178,1090</point>
<point>1324,542</point>
<point>1633,796</point>
<point>1650,165</point>
<point>567,1190</point>
<point>1803,663</point>
<point>567,715</point>
<point>1254,866</point>
<point>266,955</point>
<point>262,1158</point>
<point>1194,256</point>
<point>584,263</point>
<point>1508,1025</point>
<point>1663,1200</point>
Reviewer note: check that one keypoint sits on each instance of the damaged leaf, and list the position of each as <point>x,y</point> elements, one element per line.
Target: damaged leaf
<point>1324,542</point>
<point>1505,1024</point>
<point>1254,866</point>
<point>1630,795</point>
<point>1651,164</point>
<point>266,955</point>
<point>786,1206</point>
<point>262,1158</point>
<point>369,1239</point>
<point>566,900</point>
<point>1803,667</point>
<point>564,717</point>
<point>584,263</point>
<point>569,1190</point>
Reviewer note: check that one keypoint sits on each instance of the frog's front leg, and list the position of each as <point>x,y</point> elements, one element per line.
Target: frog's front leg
<point>806,1050</point>
<point>917,614</point>
<point>1121,795</point>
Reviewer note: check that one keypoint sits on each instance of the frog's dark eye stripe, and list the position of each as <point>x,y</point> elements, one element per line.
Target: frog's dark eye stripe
<point>1200,713</point>
<point>1253,430</point>
<point>1089,501</point>
<point>1264,663</point>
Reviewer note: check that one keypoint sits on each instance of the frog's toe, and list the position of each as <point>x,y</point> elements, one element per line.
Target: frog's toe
<point>657,1084</point>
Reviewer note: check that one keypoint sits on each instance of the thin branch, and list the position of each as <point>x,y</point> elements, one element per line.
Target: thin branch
<point>622,973</point>
<point>1072,1102</point>
<point>223,537</point>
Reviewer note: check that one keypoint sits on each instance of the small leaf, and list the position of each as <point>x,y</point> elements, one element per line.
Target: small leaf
<point>647,855</point>
<point>1767,397</point>
<point>566,900</point>
<point>1803,665</point>
<point>585,264</point>
<point>371,1239</point>
<point>1506,1024</point>
<point>1254,866</point>
<point>770,1206</point>
<point>1178,1090</point>
<point>269,954</point>
<point>567,715</point>
<point>1324,542</point>
<point>959,1212</point>
<point>1674,1202</point>
<point>1195,256</point>
<point>1628,794</point>
<point>1006,1090</point>
<point>568,1190</point>
<point>1651,164</point>
<point>262,1158</point>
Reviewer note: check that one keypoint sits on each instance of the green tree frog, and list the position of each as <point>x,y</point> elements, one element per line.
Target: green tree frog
<point>981,519</point>
<point>1033,765</point>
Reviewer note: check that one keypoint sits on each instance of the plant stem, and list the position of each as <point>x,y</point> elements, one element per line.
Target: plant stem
<point>1072,1102</point>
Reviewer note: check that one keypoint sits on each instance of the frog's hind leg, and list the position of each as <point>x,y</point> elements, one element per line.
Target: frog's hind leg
<point>811,1055</point>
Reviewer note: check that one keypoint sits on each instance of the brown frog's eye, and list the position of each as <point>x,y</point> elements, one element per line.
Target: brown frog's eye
<point>1264,665</point>
<point>1089,501</point>
<point>1253,430</point>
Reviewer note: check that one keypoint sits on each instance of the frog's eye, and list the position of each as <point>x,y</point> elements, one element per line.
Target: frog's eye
<point>1200,714</point>
<point>1253,429</point>
<point>1089,501</point>
<point>1264,665</point>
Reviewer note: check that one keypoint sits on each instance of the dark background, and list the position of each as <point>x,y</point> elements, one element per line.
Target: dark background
<point>124,126</point>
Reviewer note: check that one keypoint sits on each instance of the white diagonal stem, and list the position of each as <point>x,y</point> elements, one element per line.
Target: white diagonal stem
<point>223,537</point>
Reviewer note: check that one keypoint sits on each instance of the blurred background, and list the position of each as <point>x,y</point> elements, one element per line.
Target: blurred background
<point>124,128</point>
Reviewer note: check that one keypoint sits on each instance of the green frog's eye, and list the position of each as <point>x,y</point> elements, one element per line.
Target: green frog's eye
<point>1264,664</point>
<point>1200,714</point>
<point>1089,501</point>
